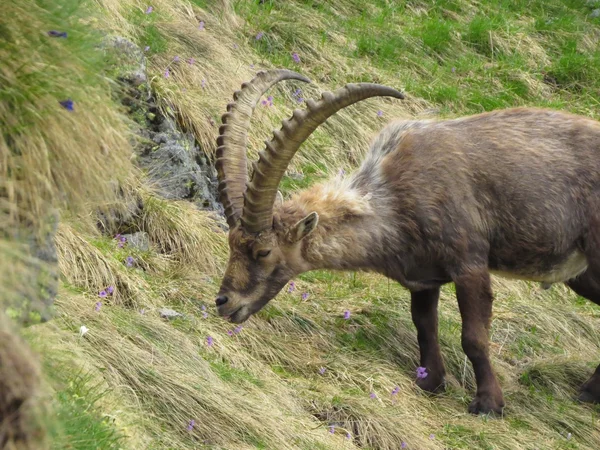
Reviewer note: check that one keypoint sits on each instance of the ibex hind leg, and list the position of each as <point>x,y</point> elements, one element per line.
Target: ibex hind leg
<point>588,285</point>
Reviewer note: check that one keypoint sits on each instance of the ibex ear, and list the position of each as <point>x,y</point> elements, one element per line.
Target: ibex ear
<point>278,199</point>
<point>304,227</point>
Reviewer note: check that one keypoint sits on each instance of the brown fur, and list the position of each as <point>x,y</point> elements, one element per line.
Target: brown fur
<point>19,383</point>
<point>514,191</point>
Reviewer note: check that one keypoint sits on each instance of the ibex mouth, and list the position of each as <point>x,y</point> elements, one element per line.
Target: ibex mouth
<point>237,316</point>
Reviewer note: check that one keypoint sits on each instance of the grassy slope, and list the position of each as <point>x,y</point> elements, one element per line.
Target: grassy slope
<point>262,388</point>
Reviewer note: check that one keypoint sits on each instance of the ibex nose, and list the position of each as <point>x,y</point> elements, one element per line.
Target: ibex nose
<point>221,300</point>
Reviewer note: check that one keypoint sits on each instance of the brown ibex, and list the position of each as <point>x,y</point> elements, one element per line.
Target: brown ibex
<point>516,192</point>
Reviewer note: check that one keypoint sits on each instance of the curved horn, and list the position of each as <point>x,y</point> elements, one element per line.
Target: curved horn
<point>273,161</point>
<point>232,171</point>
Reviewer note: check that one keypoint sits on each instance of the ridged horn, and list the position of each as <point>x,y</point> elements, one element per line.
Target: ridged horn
<point>231,165</point>
<point>273,161</point>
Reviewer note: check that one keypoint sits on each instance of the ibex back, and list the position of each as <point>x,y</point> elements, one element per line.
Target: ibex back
<point>515,192</point>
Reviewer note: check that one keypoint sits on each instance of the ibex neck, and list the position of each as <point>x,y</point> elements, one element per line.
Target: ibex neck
<point>348,231</point>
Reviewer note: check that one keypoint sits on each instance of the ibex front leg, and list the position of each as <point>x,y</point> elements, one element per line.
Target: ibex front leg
<point>475,299</point>
<point>424,309</point>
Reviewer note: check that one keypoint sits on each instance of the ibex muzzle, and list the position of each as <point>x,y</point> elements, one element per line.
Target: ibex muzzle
<point>515,192</point>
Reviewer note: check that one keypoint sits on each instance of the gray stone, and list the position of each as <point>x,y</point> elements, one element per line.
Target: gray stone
<point>139,240</point>
<point>131,61</point>
<point>167,313</point>
<point>296,176</point>
<point>177,167</point>
<point>40,281</point>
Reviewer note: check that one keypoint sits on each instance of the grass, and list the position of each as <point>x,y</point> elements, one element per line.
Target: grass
<point>135,380</point>
<point>82,425</point>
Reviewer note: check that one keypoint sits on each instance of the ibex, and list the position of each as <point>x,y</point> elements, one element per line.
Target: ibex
<point>514,192</point>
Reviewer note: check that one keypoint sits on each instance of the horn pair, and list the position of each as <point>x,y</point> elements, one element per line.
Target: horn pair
<point>251,203</point>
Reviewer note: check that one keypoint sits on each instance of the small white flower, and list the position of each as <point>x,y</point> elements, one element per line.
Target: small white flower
<point>83,330</point>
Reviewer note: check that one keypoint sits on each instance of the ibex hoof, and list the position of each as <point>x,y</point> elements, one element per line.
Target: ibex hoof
<point>432,383</point>
<point>486,404</point>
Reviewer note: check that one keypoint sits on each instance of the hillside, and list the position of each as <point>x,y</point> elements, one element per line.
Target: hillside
<point>109,111</point>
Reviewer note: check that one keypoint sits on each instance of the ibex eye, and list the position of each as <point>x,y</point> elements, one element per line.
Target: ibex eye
<point>263,253</point>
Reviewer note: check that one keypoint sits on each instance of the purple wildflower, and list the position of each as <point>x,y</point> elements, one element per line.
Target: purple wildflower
<point>67,104</point>
<point>201,25</point>
<point>203,83</point>
<point>98,306</point>
<point>205,315</point>
<point>268,101</point>
<point>295,57</point>
<point>142,311</point>
<point>191,61</point>
<point>122,240</point>
<point>432,436</point>
<point>149,10</point>
<point>237,330</point>
<point>453,69</point>
<point>235,46</point>
<point>110,290</point>
<point>342,172</point>
<point>102,294</point>
<point>322,370</point>
<point>146,48</point>
<point>304,296</point>
<point>203,308</point>
<point>252,66</point>
<point>176,59</point>
<point>348,435</point>
<point>373,395</point>
<point>292,287</point>
<point>167,73</point>
<point>230,333</point>
<point>346,314</point>
<point>259,35</point>
<point>332,429</point>
<point>422,373</point>
<point>403,445</point>
<point>395,390</point>
<point>380,113</point>
<point>59,34</point>
<point>190,426</point>
<point>129,261</point>
<point>297,92</point>
<point>209,341</point>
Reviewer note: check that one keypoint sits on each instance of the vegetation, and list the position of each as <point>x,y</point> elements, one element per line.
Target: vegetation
<point>299,375</point>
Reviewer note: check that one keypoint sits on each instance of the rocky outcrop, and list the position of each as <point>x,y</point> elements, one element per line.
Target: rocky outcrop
<point>170,156</point>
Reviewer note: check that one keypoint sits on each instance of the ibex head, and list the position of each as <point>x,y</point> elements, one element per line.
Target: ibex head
<point>266,252</point>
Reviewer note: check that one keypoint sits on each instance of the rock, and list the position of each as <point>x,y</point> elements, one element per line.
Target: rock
<point>177,166</point>
<point>139,241</point>
<point>296,176</point>
<point>131,61</point>
<point>170,314</point>
<point>40,281</point>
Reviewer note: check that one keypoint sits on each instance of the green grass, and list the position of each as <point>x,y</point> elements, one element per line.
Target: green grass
<point>81,424</point>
